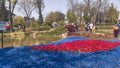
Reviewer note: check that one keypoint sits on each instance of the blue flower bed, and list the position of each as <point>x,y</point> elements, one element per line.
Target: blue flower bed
<point>25,57</point>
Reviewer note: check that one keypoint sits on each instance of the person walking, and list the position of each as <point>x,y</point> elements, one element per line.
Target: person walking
<point>116,31</point>
<point>118,24</point>
<point>91,27</point>
<point>86,26</point>
<point>76,28</point>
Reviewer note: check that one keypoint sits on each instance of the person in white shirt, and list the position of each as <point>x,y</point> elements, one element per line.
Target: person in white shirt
<point>91,27</point>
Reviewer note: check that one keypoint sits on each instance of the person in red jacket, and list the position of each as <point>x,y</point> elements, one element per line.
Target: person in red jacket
<point>7,26</point>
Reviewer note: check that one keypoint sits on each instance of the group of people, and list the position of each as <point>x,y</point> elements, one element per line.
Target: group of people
<point>116,29</point>
<point>71,27</point>
<point>90,27</point>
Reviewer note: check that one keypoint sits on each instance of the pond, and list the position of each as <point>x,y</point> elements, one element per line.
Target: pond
<point>29,38</point>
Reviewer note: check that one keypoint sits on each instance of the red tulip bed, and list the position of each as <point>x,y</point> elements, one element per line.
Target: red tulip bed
<point>80,45</point>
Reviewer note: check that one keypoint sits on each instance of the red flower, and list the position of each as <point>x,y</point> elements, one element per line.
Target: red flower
<point>82,45</point>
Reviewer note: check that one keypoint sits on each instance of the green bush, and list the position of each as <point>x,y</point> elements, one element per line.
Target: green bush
<point>34,24</point>
<point>59,30</point>
<point>47,24</point>
<point>61,22</point>
<point>53,35</point>
<point>45,28</point>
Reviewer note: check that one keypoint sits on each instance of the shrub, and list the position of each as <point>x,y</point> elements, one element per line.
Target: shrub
<point>34,24</point>
<point>45,28</point>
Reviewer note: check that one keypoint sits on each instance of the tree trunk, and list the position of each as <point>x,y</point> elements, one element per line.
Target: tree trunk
<point>10,17</point>
<point>11,9</point>
<point>40,18</point>
<point>40,12</point>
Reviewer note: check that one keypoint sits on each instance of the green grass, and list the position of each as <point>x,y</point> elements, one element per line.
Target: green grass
<point>53,35</point>
<point>104,27</point>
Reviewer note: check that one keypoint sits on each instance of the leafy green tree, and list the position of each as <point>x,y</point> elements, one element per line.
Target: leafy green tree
<point>71,17</point>
<point>33,19</point>
<point>19,20</point>
<point>112,14</point>
<point>3,11</point>
<point>54,16</point>
<point>49,19</point>
<point>59,16</point>
<point>34,23</point>
<point>87,18</point>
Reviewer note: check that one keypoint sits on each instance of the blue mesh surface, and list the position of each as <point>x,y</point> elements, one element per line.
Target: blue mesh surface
<point>67,39</point>
<point>24,57</point>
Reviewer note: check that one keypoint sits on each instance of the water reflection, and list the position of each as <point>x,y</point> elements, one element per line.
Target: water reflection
<point>27,39</point>
<point>18,40</point>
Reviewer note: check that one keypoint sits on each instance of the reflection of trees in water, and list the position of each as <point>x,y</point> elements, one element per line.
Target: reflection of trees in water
<point>25,39</point>
<point>19,40</point>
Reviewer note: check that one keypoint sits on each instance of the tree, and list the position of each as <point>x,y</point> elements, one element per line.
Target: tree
<point>19,20</point>
<point>91,10</point>
<point>33,19</point>
<point>54,17</point>
<point>95,9</point>
<point>71,11</point>
<point>59,16</point>
<point>79,11</point>
<point>88,6</point>
<point>27,7</point>
<point>112,14</point>
<point>105,8</point>
<point>3,11</point>
<point>12,4</point>
<point>71,17</point>
<point>71,4</point>
<point>40,5</point>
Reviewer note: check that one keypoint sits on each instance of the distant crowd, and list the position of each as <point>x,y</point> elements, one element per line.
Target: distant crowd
<point>90,27</point>
<point>72,27</point>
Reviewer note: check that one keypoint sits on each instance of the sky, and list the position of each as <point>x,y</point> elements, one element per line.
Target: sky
<point>54,5</point>
<point>60,5</point>
<point>50,6</point>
